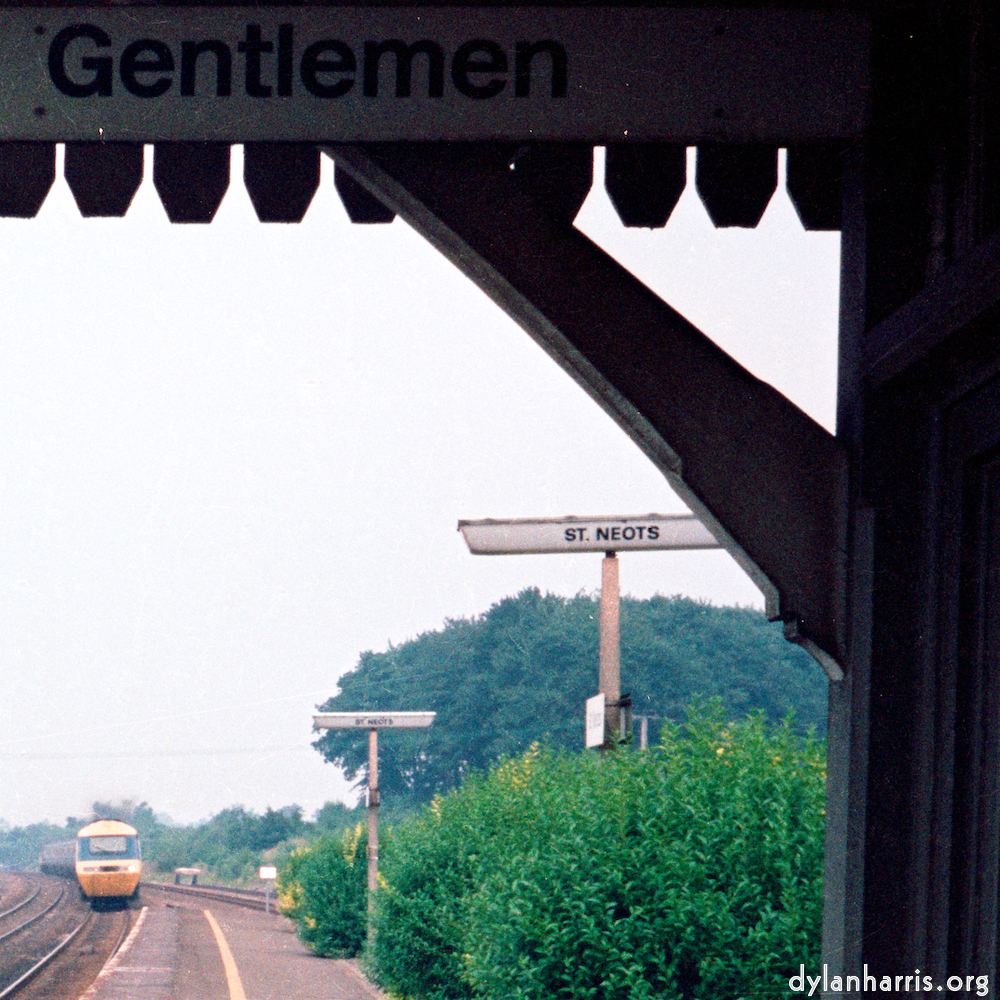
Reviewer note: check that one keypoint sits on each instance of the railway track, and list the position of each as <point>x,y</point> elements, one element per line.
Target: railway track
<point>51,943</point>
<point>251,899</point>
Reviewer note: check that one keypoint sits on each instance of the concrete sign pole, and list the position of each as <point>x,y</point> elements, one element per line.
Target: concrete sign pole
<point>593,534</point>
<point>373,722</point>
<point>373,803</point>
<point>609,674</point>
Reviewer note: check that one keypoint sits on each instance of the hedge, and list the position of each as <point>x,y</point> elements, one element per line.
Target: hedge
<point>324,889</point>
<point>691,871</point>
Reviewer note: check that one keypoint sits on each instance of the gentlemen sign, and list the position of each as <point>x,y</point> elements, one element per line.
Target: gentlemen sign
<point>586,534</point>
<point>383,73</point>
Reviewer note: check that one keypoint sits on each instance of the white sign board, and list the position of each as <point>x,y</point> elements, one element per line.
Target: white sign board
<point>146,73</point>
<point>595,720</point>
<point>586,534</point>
<point>268,872</point>
<point>373,720</point>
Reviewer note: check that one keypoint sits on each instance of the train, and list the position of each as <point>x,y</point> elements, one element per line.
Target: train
<point>105,859</point>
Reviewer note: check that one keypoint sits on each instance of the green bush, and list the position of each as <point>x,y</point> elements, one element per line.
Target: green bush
<point>692,871</point>
<point>426,878</point>
<point>324,889</point>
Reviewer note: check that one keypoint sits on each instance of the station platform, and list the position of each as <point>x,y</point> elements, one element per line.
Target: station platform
<point>212,952</point>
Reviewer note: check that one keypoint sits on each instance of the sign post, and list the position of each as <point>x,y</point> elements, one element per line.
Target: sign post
<point>609,672</point>
<point>593,534</point>
<point>373,722</point>
<point>268,873</point>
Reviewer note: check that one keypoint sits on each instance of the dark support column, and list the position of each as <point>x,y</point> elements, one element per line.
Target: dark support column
<point>913,841</point>
<point>847,728</point>
<point>767,479</point>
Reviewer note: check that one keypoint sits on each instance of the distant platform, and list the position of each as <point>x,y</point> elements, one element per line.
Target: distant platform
<point>201,950</point>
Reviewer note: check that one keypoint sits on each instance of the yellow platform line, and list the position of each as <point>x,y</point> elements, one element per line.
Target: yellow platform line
<point>228,962</point>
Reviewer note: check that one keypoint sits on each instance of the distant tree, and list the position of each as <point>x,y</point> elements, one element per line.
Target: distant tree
<point>521,672</point>
<point>276,826</point>
<point>335,817</point>
<point>21,845</point>
<point>674,649</point>
<point>237,828</point>
<point>137,814</point>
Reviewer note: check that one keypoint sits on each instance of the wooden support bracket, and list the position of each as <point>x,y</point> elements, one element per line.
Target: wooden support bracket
<point>766,479</point>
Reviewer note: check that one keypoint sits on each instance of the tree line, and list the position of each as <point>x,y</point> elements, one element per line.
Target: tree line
<point>521,672</point>
<point>515,675</point>
<point>229,847</point>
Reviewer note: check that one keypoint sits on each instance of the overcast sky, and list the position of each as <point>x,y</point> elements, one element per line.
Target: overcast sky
<point>232,458</point>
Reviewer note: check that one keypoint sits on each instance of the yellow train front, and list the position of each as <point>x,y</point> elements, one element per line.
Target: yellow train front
<point>108,861</point>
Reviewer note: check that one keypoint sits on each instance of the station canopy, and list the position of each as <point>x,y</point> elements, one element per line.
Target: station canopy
<point>541,84</point>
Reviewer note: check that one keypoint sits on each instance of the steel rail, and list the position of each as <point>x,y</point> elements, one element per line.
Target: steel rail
<point>23,903</point>
<point>43,962</point>
<point>251,899</point>
<point>126,927</point>
<point>37,916</point>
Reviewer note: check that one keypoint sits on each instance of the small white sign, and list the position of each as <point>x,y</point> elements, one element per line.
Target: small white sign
<point>268,872</point>
<point>586,534</point>
<point>595,720</point>
<point>373,720</point>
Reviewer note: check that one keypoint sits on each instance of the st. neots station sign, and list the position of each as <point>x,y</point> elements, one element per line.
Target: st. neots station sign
<point>373,720</point>
<point>585,534</point>
<point>327,73</point>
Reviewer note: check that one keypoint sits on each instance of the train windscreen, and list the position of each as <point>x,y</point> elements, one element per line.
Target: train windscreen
<point>114,846</point>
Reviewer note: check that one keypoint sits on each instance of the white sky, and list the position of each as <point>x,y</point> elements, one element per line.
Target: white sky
<point>232,458</point>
